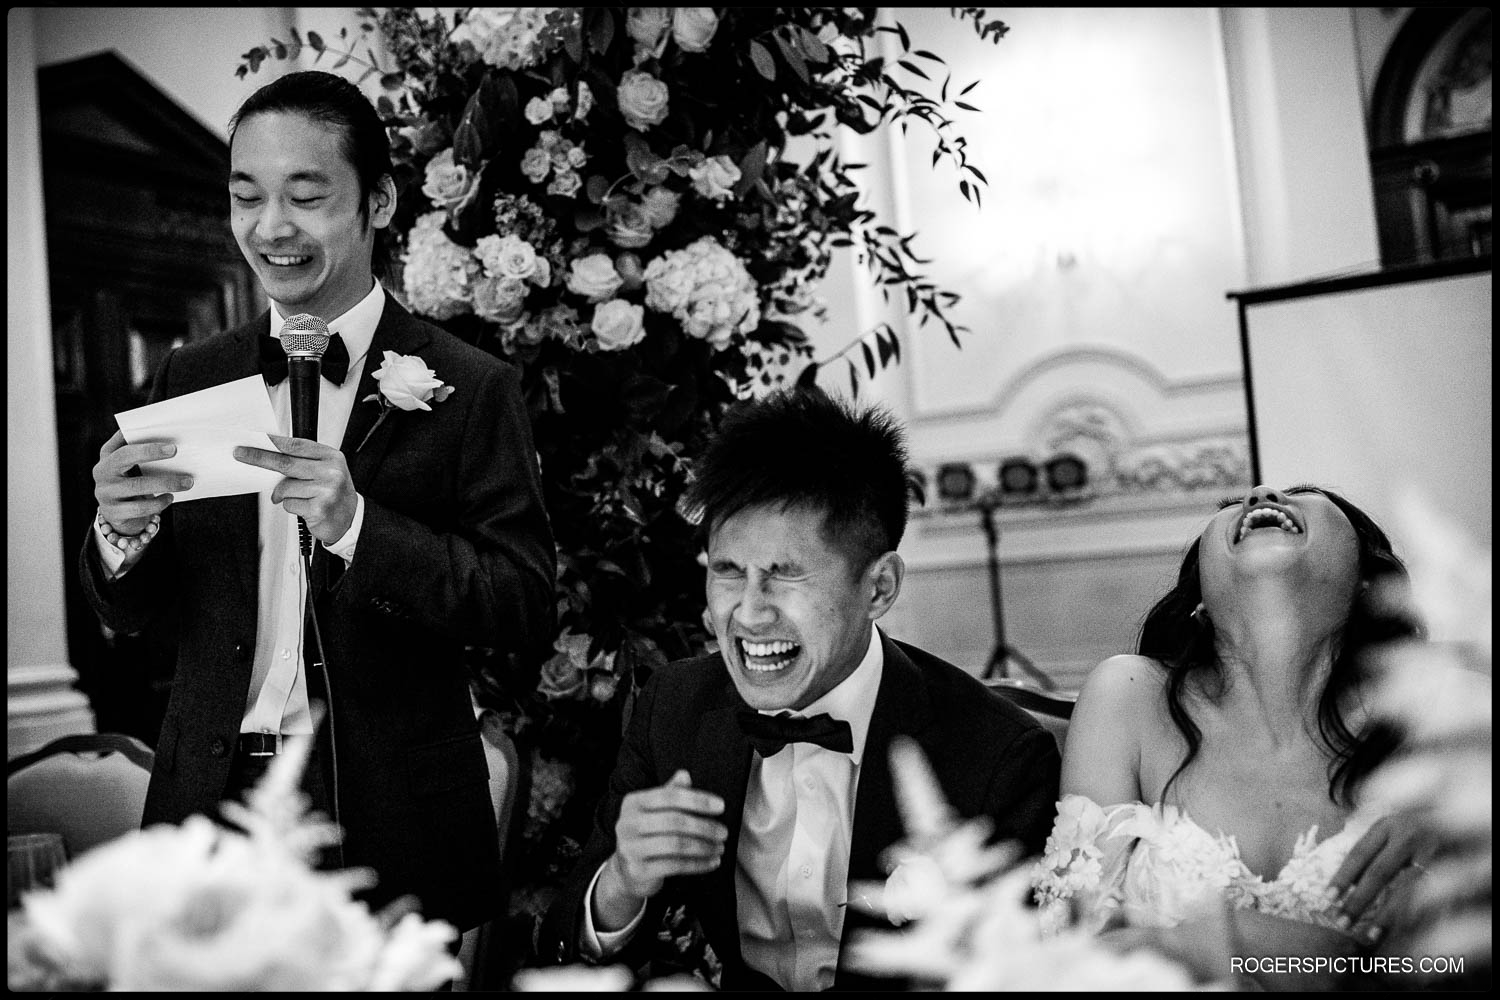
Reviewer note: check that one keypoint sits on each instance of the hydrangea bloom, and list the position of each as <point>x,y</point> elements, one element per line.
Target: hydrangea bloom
<point>438,273</point>
<point>514,37</point>
<point>707,289</point>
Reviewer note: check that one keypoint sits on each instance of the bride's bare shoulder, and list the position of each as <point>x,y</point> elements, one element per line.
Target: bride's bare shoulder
<point>1126,682</point>
<point>1114,721</point>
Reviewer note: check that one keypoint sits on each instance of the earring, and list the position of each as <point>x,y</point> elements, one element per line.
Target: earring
<point>1200,615</point>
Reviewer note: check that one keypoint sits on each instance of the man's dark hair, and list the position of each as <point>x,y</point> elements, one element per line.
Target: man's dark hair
<point>805,449</point>
<point>333,101</point>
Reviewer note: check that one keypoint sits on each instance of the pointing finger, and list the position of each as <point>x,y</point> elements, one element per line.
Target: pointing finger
<point>301,447</point>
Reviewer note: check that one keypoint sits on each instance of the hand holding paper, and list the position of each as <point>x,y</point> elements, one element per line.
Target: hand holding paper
<point>128,501</point>
<point>204,427</point>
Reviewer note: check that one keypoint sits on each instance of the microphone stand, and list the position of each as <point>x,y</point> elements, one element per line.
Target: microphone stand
<point>1003,651</point>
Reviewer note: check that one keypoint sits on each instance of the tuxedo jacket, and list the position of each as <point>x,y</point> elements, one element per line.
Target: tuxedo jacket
<point>455,550</point>
<point>990,757</point>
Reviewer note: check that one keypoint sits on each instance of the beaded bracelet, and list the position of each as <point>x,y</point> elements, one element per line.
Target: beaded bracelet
<point>129,543</point>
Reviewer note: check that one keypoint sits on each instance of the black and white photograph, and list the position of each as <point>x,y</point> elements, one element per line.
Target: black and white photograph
<point>614,499</point>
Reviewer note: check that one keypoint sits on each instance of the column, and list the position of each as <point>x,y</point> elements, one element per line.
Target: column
<point>41,702</point>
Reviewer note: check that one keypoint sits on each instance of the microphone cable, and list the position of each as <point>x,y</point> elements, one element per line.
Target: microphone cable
<point>322,663</point>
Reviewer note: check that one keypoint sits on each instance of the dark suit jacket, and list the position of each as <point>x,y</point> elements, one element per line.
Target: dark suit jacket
<point>455,549</point>
<point>990,757</point>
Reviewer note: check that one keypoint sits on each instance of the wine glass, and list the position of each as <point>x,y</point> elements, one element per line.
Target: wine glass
<point>33,861</point>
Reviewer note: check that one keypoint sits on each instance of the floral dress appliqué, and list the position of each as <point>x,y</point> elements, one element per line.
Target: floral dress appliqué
<point>1154,865</point>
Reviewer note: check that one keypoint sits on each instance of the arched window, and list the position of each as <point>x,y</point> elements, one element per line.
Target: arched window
<point>1431,149</point>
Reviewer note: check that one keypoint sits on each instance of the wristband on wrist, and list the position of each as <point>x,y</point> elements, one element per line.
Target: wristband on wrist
<point>129,543</point>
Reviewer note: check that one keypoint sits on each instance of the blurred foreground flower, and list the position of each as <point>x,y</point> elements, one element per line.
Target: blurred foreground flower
<point>1440,693</point>
<point>203,908</point>
<point>972,927</point>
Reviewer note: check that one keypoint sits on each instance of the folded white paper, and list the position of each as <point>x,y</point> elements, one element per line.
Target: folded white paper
<point>206,426</point>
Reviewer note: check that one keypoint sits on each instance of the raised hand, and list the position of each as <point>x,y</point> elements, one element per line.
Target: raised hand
<point>317,486</point>
<point>128,497</point>
<point>661,832</point>
<point>1377,874</point>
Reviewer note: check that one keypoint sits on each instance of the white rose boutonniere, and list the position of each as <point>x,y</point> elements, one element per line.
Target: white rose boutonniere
<point>406,383</point>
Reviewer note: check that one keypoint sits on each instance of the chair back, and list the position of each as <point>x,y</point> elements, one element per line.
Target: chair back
<point>91,788</point>
<point>1052,709</point>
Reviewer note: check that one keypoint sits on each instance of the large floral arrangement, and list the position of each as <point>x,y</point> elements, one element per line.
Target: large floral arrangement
<point>198,907</point>
<point>608,198</point>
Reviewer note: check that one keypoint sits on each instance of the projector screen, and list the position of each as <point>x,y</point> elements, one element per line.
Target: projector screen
<point>1377,391</point>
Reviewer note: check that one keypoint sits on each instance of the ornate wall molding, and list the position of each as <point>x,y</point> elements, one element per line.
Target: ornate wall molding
<point>1062,360</point>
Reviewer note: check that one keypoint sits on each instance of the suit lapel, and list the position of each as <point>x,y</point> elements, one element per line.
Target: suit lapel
<point>720,763</point>
<point>241,518</point>
<point>901,707</point>
<point>398,332</point>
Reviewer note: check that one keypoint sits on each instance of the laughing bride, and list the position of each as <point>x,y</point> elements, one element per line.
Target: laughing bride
<point>1210,786</point>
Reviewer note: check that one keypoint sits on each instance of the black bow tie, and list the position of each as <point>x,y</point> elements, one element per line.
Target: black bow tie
<point>770,733</point>
<point>335,364</point>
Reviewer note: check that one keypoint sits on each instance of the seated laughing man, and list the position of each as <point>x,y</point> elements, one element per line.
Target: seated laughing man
<point>760,824</point>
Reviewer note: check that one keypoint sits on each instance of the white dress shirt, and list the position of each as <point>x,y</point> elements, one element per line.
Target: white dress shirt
<point>277,700</point>
<point>792,863</point>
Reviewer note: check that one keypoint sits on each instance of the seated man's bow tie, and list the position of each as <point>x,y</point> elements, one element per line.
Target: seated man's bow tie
<point>770,733</point>
<point>335,366</point>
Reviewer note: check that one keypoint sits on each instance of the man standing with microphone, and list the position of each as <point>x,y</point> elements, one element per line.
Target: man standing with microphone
<point>427,526</point>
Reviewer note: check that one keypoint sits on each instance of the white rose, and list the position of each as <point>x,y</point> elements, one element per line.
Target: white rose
<point>536,164</point>
<point>660,206</point>
<point>407,383</point>
<point>500,300</point>
<point>560,100</point>
<point>448,184</point>
<point>594,277</point>
<point>577,157</point>
<point>627,225</point>
<point>693,27</point>
<point>647,27</point>
<point>618,324</point>
<point>507,257</point>
<point>643,100</point>
<point>715,178</point>
<point>539,110</point>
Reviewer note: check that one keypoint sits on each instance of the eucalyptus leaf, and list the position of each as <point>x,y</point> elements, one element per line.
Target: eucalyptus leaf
<point>764,64</point>
<point>789,52</point>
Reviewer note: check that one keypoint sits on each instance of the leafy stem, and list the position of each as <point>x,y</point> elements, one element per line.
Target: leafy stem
<point>394,80</point>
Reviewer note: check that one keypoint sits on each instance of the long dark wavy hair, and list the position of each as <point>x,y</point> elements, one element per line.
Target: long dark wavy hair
<point>1185,647</point>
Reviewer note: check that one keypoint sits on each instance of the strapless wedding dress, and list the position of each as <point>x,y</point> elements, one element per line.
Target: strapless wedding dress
<point>1154,865</point>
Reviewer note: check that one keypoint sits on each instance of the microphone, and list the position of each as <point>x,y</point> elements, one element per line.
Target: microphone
<point>304,338</point>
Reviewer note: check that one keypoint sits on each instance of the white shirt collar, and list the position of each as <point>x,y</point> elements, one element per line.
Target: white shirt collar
<point>853,700</point>
<point>356,325</point>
